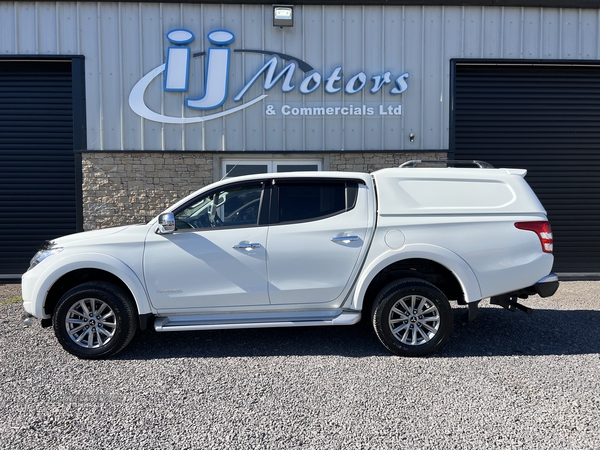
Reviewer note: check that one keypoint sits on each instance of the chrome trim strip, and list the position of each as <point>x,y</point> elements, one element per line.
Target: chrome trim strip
<point>549,279</point>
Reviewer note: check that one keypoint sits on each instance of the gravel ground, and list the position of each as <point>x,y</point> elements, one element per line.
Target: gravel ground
<point>507,380</point>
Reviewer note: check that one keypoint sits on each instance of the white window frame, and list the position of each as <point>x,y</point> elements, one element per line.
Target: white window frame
<point>271,164</point>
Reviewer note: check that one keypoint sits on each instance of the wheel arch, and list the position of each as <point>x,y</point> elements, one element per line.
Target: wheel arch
<point>65,275</point>
<point>439,266</point>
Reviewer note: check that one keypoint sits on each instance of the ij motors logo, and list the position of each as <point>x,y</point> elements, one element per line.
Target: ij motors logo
<point>211,97</point>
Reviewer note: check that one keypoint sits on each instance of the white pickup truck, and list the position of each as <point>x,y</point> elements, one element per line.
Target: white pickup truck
<point>303,249</point>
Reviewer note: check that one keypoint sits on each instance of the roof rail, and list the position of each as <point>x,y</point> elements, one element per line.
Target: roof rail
<point>447,163</point>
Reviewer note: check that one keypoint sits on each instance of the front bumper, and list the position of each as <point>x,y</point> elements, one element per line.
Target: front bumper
<point>32,303</point>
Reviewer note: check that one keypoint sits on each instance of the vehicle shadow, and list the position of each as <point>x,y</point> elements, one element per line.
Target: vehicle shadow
<point>495,332</point>
<point>498,332</point>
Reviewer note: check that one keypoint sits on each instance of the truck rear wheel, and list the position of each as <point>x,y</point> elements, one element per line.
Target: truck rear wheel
<point>94,320</point>
<point>412,317</point>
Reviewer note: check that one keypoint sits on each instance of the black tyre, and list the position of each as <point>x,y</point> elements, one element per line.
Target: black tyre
<point>412,317</point>
<point>95,320</point>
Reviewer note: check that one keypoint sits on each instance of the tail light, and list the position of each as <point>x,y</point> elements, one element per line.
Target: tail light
<point>543,230</point>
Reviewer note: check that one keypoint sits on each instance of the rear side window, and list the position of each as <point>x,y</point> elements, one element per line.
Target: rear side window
<point>311,201</point>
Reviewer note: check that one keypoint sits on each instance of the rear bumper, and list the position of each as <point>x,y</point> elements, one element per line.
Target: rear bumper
<point>547,286</point>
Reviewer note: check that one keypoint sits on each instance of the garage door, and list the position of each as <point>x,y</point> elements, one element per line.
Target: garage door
<point>37,165</point>
<point>545,118</point>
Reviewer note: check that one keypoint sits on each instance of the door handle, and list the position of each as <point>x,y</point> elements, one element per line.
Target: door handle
<point>345,238</point>
<point>246,246</point>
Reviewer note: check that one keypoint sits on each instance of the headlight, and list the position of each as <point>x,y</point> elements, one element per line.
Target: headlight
<point>47,249</point>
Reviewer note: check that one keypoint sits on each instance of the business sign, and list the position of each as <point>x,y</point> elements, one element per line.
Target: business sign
<point>216,90</point>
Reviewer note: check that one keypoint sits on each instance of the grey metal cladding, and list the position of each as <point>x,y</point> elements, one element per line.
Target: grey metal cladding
<point>123,41</point>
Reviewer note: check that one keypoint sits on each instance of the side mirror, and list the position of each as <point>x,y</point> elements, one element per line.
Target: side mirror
<point>221,199</point>
<point>166,223</point>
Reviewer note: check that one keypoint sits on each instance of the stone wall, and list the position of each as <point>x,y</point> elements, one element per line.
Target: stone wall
<point>370,162</point>
<point>122,188</point>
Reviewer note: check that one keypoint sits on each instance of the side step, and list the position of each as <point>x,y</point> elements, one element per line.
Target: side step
<point>273,320</point>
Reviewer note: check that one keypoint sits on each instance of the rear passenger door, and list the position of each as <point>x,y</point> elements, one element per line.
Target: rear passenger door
<point>315,240</point>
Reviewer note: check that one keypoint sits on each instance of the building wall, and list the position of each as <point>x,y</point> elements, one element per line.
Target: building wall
<point>126,188</point>
<point>126,178</point>
<point>122,42</point>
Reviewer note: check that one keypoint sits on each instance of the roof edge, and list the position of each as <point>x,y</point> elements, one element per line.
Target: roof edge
<point>592,4</point>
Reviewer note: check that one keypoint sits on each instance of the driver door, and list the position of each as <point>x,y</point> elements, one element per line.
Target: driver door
<point>216,258</point>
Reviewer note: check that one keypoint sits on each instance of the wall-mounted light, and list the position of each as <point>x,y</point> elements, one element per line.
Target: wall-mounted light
<point>411,137</point>
<point>283,16</point>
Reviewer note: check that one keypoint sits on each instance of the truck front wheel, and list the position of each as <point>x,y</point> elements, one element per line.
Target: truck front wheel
<point>94,320</point>
<point>412,317</point>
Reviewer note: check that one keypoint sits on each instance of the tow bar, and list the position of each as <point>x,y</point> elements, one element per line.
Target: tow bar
<point>509,302</point>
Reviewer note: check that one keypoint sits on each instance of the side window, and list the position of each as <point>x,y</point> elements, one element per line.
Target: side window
<point>236,206</point>
<point>302,201</point>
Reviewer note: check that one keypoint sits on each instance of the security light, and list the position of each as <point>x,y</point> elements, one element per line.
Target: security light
<point>283,16</point>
